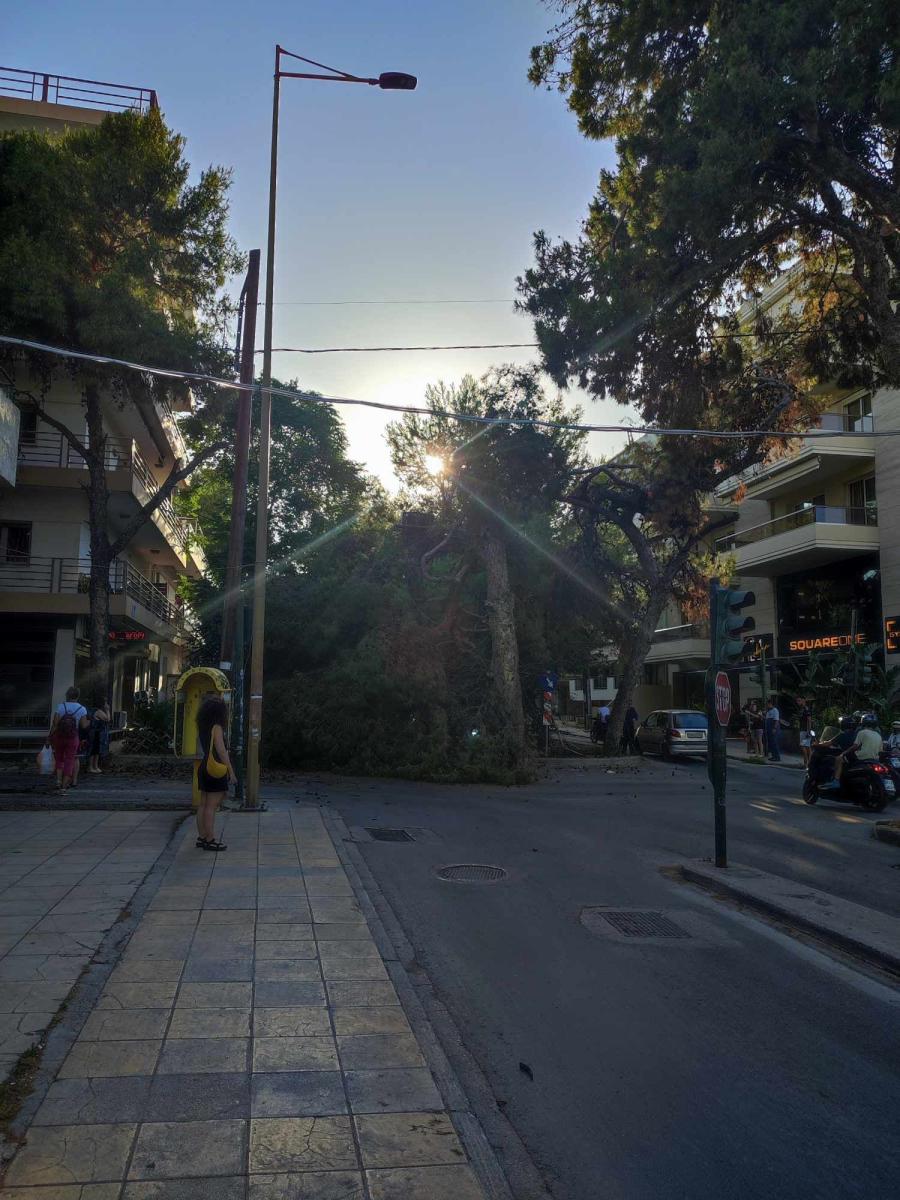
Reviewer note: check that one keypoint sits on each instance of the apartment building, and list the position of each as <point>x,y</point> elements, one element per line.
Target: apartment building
<point>816,537</point>
<point>44,532</point>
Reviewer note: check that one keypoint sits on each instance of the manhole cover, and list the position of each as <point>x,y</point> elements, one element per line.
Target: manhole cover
<point>389,835</point>
<point>471,873</point>
<point>642,924</point>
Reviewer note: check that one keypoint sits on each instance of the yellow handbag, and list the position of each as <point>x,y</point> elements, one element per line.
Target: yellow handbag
<point>214,768</point>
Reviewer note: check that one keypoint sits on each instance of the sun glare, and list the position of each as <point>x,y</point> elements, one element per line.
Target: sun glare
<point>434,464</point>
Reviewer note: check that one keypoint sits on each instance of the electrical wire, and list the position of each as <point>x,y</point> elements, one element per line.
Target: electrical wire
<point>330,303</point>
<point>382,349</point>
<point>472,418</point>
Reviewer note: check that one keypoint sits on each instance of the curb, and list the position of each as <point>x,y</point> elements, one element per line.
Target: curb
<point>724,884</point>
<point>887,831</point>
<point>485,1132</point>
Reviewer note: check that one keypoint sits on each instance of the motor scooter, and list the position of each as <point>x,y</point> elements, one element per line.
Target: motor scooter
<point>891,759</point>
<point>867,784</point>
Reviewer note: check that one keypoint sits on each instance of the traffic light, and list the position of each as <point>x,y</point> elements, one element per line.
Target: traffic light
<point>727,624</point>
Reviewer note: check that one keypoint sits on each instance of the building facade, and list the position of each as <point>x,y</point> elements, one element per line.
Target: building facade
<point>816,538</point>
<point>44,531</point>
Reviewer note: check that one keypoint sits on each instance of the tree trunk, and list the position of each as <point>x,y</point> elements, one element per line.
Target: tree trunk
<point>101,557</point>
<point>632,659</point>
<point>507,716</point>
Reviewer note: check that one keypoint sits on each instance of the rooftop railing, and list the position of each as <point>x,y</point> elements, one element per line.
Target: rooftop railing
<point>812,514</point>
<point>46,88</point>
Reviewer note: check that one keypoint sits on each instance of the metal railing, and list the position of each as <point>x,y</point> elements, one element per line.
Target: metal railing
<point>47,448</point>
<point>46,88</point>
<point>71,577</point>
<point>812,514</point>
<point>677,633</point>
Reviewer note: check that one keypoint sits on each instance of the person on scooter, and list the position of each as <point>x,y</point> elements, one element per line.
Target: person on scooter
<point>893,741</point>
<point>845,745</point>
<point>868,740</point>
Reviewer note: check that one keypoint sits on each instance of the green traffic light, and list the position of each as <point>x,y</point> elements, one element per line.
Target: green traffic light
<point>729,624</point>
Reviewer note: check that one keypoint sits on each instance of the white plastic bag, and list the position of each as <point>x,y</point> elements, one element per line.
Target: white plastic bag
<point>45,761</point>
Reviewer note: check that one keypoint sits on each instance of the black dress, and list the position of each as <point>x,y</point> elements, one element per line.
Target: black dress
<point>205,781</point>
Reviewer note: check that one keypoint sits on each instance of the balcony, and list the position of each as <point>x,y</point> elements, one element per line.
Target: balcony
<point>35,584</point>
<point>41,87</point>
<point>678,642</point>
<point>851,444</point>
<point>44,455</point>
<point>808,537</point>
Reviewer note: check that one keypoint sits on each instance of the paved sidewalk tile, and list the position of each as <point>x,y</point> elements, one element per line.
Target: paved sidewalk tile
<point>249,1045</point>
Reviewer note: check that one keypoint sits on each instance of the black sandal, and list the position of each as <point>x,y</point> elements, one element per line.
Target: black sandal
<point>215,846</point>
<point>201,842</point>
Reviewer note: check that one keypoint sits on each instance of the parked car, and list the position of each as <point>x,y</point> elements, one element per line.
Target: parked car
<point>673,731</point>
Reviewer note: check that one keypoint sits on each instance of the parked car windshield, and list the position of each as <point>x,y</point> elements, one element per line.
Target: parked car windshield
<point>689,720</point>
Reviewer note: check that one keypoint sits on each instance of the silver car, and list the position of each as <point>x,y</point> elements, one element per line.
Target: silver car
<point>672,732</point>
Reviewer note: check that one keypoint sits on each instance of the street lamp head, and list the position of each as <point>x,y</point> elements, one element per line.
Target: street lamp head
<point>397,81</point>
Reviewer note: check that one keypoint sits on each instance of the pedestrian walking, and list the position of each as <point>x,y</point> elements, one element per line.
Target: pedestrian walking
<point>773,731</point>
<point>807,733</point>
<point>98,736</point>
<point>69,720</point>
<point>214,771</point>
<point>628,742</point>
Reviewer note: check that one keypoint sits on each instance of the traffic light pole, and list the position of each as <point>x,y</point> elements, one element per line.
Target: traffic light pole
<point>716,758</point>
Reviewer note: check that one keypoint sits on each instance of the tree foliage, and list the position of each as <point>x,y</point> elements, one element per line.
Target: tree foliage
<point>749,134</point>
<point>115,252</point>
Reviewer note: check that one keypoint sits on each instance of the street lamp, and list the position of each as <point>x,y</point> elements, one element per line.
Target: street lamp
<point>392,81</point>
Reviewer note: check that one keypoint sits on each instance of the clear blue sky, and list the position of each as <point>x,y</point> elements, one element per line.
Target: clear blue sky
<point>431,194</point>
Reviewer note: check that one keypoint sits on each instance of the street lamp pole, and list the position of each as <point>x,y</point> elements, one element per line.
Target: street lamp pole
<point>387,81</point>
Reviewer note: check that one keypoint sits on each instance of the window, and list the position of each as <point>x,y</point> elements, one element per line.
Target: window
<point>15,543</point>
<point>859,414</point>
<point>690,721</point>
<point>861,501</point>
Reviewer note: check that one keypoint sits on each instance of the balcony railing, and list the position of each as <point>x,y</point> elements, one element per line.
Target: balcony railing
<point>50,449</point>
<point>678,633</point>
<point>46,88</point>
<point>71,577</point>
<point>813,514</point>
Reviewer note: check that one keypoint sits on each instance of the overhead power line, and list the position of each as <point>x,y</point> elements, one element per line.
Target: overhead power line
<point>470,418</point>
<point>383,349</point>
<point>417,300</point>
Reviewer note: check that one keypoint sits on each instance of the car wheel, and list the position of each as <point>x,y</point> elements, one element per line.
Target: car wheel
<point>666,751</point>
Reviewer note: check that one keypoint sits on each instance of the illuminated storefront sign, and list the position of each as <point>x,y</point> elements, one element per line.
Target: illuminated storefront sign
<point>892,635</point>
<point>826,641</point>
<point>127,635</point>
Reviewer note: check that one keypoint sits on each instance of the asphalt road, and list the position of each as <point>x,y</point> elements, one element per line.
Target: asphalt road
<point>736,1062</point>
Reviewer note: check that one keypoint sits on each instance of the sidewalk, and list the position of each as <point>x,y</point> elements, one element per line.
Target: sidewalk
<point>249,1043</point>
<point>64,879</point>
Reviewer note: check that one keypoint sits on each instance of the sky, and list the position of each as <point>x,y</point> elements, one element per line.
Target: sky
<point>382,196</point>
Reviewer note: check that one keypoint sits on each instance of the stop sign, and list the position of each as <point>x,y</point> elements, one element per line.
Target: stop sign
<point>723,698</point>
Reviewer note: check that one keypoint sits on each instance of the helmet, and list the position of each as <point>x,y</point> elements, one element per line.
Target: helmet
<point>895,724</point>
<point>857,715</point>
<point>847,723</point>
<point>869,720</point>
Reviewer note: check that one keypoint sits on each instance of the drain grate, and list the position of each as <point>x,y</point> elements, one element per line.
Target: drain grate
<point>471,873</point>
<point>389,835</point>
<point>641,924</point>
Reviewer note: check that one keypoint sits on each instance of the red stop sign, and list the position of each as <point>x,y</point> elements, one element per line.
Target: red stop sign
<point>723,698</point>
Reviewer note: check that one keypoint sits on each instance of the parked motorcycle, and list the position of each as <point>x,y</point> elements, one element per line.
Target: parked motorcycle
<point>869,785</point>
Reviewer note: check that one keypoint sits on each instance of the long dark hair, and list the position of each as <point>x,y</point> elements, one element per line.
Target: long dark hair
<point>212,712</point>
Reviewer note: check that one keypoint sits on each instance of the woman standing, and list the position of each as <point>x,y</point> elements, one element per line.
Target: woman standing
<point>98,745</point>
<point>211,720</point>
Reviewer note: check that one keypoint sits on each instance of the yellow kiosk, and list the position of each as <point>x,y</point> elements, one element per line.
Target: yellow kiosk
<point>190,691</point>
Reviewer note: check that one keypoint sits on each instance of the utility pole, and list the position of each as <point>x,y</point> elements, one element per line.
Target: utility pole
<point>231,653</point>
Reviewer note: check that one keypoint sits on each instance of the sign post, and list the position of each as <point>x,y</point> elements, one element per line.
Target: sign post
<point>726,624</point>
